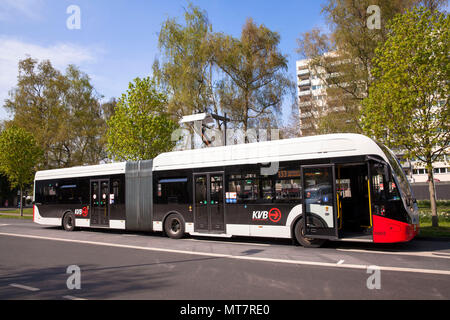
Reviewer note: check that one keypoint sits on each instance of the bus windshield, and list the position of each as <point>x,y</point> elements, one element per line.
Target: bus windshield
<point>404,186</point>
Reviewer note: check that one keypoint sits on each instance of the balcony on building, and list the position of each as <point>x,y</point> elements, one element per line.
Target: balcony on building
<point>303,93</point>
<point>305,104</point>
<point>303,83</point>
<point>303,72</point>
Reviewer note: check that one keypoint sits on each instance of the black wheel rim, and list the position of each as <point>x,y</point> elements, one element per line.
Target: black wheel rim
<point>302,231</point>
<point>69,222</point>
<point>175,226</point>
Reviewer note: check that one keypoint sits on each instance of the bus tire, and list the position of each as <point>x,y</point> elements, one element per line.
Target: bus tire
<point>174,226</point>
<point>68,221</point>
<point>304,241</point>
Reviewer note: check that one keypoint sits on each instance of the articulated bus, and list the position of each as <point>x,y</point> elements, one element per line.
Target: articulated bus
<point>340,187</point>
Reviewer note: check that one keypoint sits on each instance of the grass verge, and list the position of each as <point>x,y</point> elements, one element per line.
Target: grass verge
<point>15,214</point>
<point>5,216</point>
<point>426,230</point>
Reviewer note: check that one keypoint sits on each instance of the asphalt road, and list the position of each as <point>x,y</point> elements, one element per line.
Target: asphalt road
<point>120,265</point>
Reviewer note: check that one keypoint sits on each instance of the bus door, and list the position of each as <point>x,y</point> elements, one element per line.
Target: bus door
<point>379,188</point>
<point>319,205</point>
<point>208,203</point>
<point>99,203</point>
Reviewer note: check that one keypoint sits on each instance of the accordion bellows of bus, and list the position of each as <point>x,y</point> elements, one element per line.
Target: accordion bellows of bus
<point>340,187</point>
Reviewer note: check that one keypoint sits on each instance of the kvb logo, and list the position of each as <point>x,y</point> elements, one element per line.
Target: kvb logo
<point>82,212</point>
<point>260,215</point>
<point>273,215</point>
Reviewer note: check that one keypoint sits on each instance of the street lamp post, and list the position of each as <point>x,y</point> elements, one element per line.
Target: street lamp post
<point>207,118</point>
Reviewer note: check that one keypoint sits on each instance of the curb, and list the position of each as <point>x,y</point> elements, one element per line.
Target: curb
<point>433,239</point>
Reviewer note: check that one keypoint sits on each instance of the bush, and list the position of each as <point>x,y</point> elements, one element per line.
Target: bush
<point>426,217</point>
<point>427,203</point>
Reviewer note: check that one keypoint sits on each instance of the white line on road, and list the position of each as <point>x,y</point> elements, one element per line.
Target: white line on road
<point>4,225</point>
<point>228,256</point>
<point>341,261</point>
<point>72,298</point>
<point>427,254</point>
<point>441,254</point>
<point>23,287</point>
<point>229,242</point>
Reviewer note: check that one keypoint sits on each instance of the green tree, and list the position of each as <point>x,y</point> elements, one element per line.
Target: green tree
<point>61,110</point>
<point>407,107</point>
<point>205,71</point>
<point>140,128</point>
<point>185,69</point>
<point>343,58</point>
<point>19,156</point>
<point>83,139</point>
<point>257,79</point>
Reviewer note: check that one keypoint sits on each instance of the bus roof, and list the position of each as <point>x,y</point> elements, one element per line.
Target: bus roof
<point>316,147</point>
<point>84,171</point>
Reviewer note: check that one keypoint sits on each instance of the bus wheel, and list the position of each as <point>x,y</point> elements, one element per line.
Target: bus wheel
<point>304,241</point>
<point>174,226</point>
<point>69,222</point>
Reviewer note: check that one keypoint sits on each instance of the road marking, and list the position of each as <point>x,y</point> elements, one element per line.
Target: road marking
<point>229,242</point>
<point>228,256</point>
<point>441,254</point>
<point>341,262</point>
<point>72,298</point>
<point>427,254</point>
<point>3,225</point>
<point>23,287</point>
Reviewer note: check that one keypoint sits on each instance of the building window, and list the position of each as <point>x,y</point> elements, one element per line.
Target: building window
<point>440,170</point>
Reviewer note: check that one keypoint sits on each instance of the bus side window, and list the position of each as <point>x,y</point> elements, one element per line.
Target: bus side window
<point>115,192</point>
<point>393,193</point>
<point>378,182</point>
<point>39,196</point>
<point>67,192</point>
<point>288,190</point>
<point>172,191</point>
<point>378,187</point>
<point>246,188</point>
<point>49,193</point>
<point>266,191</point>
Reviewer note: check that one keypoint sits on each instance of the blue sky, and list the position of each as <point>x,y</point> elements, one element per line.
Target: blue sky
<point>117,40</point>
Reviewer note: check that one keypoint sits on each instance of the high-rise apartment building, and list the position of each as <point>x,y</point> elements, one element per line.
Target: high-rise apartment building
<point>311,97</point>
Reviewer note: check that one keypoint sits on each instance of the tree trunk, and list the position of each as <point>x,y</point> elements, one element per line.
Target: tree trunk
<point>246,116</point>
<point>431,188</point>
<point>21,202</point>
